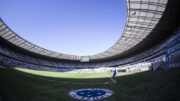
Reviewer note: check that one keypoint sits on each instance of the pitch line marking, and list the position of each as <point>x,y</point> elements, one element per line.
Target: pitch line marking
<point>111,78</point>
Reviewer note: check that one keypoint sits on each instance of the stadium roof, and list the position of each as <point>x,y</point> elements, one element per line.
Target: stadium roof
<point>143,20</point>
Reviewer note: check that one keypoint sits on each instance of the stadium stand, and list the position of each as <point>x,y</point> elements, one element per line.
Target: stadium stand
<point>154,28</point>
<point>140,61</point>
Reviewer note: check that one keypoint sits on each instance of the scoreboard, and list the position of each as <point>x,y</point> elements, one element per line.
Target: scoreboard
<point>84,59</point>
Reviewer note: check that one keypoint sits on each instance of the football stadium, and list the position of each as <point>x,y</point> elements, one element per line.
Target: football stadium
<point>143,64</point>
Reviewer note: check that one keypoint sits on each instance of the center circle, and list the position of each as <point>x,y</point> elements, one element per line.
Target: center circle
<point>90,93</point>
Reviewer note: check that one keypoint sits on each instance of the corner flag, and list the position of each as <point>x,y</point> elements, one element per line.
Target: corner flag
<point>114,73</point>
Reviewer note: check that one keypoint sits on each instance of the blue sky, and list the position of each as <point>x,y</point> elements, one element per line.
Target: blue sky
<point>78,27</point>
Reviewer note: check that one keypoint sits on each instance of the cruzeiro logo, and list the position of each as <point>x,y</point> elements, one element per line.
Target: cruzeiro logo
<point>90,94</point>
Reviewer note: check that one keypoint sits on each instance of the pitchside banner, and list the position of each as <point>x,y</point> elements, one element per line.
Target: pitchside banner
<point>170,50</point>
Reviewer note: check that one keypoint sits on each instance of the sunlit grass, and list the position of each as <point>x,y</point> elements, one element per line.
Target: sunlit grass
<point>73,75</point>
<point>64,75</point>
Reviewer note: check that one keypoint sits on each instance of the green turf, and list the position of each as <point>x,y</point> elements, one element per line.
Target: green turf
<point>134,86</point>
<point>72,75</point>
<point>65,75</point>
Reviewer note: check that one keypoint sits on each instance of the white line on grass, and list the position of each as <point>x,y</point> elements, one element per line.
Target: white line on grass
<point>111,78</point>
<point>2,67</point>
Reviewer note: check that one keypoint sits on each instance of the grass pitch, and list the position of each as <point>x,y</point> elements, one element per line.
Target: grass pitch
<point>29,85</point>
<point>65,75</point>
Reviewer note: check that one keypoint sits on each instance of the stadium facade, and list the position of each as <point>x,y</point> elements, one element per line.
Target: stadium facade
<point>152,26</point>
